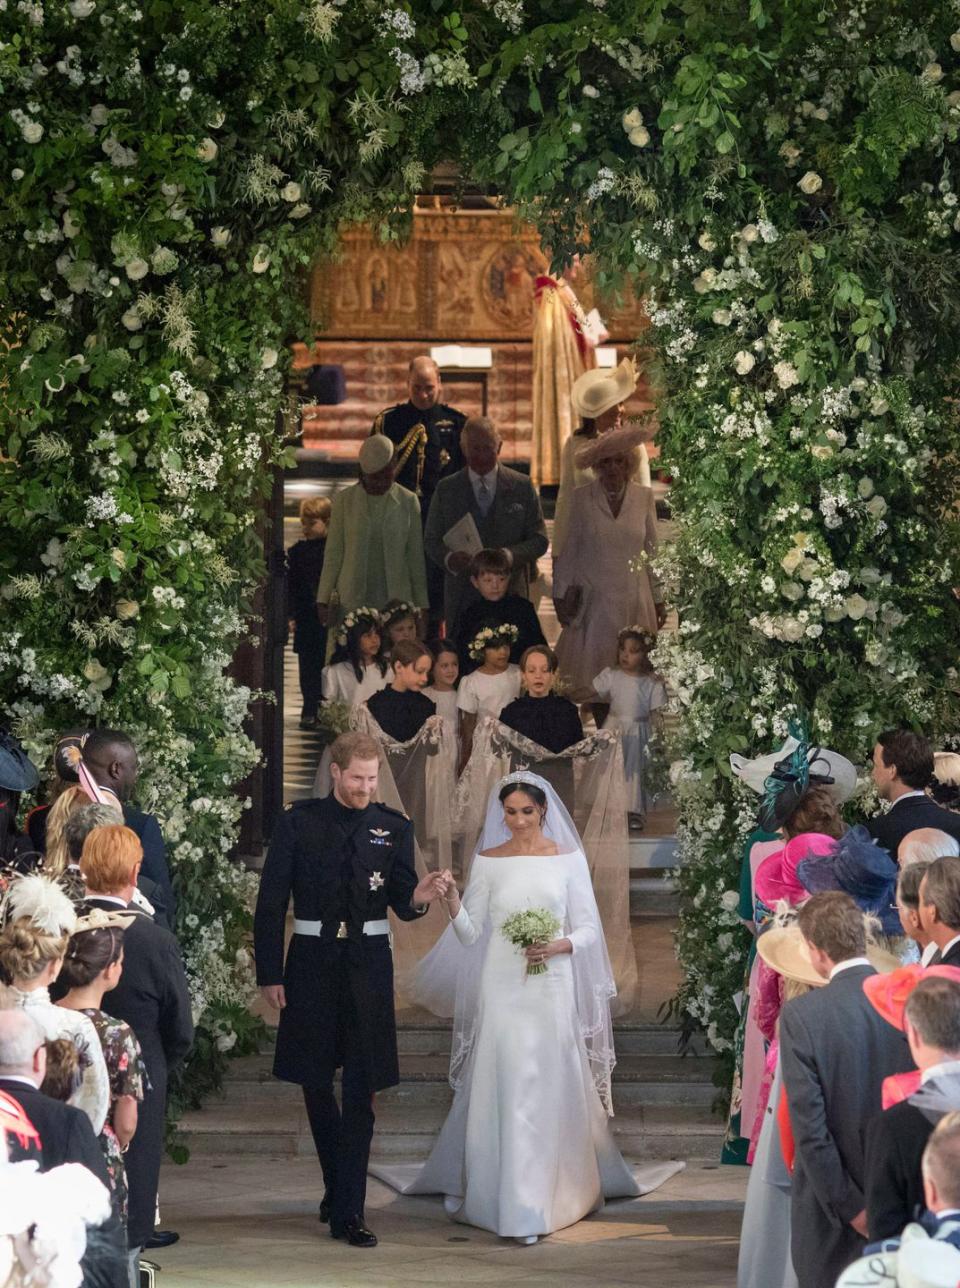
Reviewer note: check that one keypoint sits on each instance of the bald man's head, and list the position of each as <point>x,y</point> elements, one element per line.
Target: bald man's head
<point>425,386</point>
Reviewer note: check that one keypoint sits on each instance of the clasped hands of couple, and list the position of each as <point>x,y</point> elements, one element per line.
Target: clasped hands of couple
<point>441,885</point>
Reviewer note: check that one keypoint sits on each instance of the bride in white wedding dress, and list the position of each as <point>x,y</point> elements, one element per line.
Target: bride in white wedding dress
<point>526,1148</point>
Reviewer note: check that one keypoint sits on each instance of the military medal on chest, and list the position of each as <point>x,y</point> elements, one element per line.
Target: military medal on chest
<point>376,880</point>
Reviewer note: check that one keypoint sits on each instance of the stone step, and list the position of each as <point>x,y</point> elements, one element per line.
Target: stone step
<point>638,1081</point>
<point>651,1132</point>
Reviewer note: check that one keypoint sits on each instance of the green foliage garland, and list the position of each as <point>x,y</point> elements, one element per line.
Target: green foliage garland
<point>780,175</point>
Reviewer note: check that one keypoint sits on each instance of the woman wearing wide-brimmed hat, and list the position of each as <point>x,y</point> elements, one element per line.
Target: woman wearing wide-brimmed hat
<point>597,586</point>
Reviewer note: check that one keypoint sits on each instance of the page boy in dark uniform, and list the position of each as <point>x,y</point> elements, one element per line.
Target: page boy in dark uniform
<point>427,434</point>
<point>346,860</point>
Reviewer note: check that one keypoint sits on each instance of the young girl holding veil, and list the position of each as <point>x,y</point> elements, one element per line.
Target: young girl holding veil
<point>526,1148</point>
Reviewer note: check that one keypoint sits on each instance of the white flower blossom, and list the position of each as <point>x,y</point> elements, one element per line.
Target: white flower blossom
<point>207,149</point>
<point>810,183</point>
<point>744,362</point>
<point>632,120</point>
<point>786,374</point>
<point>220,235</point>
<point>268,359</point>
<point>261,260</point>
<point>639,137</point>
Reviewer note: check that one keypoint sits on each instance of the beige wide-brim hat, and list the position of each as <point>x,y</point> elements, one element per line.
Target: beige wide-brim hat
<point>616,442</point>
<point>376,453</point>
<point>785,950</point>
<point>600,389</point>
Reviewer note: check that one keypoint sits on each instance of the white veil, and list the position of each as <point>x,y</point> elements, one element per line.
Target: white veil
<point>447,980</point>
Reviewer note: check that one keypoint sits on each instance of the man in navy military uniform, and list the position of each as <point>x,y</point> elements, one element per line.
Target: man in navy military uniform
<point>346,860</point>
<point>426,432</point>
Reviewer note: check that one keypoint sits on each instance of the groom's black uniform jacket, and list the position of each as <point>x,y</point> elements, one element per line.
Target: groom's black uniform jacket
<point>343,867</point>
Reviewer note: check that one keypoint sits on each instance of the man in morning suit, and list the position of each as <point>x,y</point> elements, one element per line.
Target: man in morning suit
<point>112,760</point>
<point>347,861</point>
<point>835,1051</point>
<point>505,508</point>
<point>153,998</point>
<point>902,769</point>
<point>939,909</point>
<point>896,1138</point>
<point>426,432</point>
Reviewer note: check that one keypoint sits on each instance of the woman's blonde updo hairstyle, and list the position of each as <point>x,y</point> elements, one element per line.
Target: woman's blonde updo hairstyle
<point>25,951</point>
<point>57,858</point>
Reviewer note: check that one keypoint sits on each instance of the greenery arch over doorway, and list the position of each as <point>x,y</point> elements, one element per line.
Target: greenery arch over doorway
<point>780,173</point>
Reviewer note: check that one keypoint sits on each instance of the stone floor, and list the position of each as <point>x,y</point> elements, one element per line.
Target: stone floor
<point>246,1223</point>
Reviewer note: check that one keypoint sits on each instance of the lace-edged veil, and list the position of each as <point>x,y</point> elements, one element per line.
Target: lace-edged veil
<point>447,980</point>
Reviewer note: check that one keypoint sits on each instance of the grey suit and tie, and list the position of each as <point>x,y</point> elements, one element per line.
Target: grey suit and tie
<point>514,522</point>
<point>835,1051</point>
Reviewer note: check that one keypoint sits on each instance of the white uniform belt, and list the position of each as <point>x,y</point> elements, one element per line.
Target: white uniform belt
<point>301,927</point>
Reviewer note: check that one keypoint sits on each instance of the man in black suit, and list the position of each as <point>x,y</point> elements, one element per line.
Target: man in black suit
<point>152,997</point>
<point>505,508</point>
<point>902,769</point>
<point>940,909</point>
<point>112,760</point>
<point>835,1051</point>
<point>897,1137</point>
<point>346,861</point>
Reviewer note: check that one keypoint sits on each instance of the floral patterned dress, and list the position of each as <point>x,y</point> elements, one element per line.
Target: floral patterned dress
<point>128,1077</point>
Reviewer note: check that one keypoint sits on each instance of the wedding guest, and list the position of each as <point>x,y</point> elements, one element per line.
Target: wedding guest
<point>152,997</point>
<point>63,1075</point>
<point>940,909</point>
<point>926,1007</point>
<point>945,788</point>
<point>902,770</point>
<point>401,709</point>
<point>635,693</point>
<point>375,541</point>
<point>908,907</point>
<point>66,756</point>
<point>304,566</point>
<point>39,921</point>
<point>17,775</point>
<point>546,718</point>
<point>442,689</point>
<point>927,843</point>
<point>399,621</point>
<point>488,689</point>
<point>941,1179</point>
<point>359,668</point>
<point>506,509</point>
<point>490,578</point>
<point>93,967</point>
<point>835,1052</point>
<point>112,760</point>
<point>859,866</point>
<point>603,579</point>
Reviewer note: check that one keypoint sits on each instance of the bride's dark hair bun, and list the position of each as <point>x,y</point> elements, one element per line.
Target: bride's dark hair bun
<point>536,794</point>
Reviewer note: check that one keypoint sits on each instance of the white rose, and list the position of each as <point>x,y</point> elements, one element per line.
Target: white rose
<point>810,183</point>
<point>744,362</point>
<point>865,488</point>
<point>217,120</point>
<point>877,506</point>
<point>787,374</point>
<point>933,72</point>
<point>730,900</point>
<point>16,175</point>
<point>722,317</point>
<point>870,576</point>
<point>955,42</point>
<point>98,675</point>
<point>792,560</point>
<point>792,630</point>
<point>639,137</point>
<point>790,590</point>
<point>137,268</point>
<point>220,236</point>
<point>261,260</point>
<point>81,8</point>
<point>820,114</point>
<point>99,114</point>
<point>291,191</point>
<point>125,609</point>
<point>268,359</point>
<point>632,120</point>
<point>749,233</point>
<point>821,451</point>
<point>132,320</point>
<point>808,570</point>
<point>855,606</point>
<point>591,91</point>
<point>879,407</point>
<point>32,132</point>
<point>706,242</point>
<point>207,149</point>
<point>299,210</point>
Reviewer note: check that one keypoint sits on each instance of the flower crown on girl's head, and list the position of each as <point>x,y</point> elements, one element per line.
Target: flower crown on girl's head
<point>355,616</point>
<point>492,637</point>
<point>647,638</point>
<point>396,612</point>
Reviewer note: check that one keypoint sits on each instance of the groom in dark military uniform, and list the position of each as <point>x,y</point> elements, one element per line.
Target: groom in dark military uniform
<point>346,860</point>
<point>426,432</point>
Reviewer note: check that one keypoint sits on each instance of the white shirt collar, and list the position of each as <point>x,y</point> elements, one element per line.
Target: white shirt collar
<point>938,1070</point>
<point>490,479</point>
<point>906,796</point>
<point>950,943</point>
<point>848,964</point>
<point>108,898</point>
<point>18,1077</point>
<point>927,953</point>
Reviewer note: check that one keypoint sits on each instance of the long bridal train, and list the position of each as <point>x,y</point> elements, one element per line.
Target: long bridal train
<point>526,1148</point>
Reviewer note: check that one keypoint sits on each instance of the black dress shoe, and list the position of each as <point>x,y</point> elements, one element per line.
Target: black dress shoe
<point>323,1216</point>
<point>162,1239</point>
<point>355,1233</point>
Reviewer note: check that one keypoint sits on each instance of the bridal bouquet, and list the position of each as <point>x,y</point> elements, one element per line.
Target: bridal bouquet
<point>533,926</point>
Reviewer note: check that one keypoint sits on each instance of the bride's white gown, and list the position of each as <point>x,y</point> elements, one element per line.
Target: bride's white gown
<point>526,1148</point>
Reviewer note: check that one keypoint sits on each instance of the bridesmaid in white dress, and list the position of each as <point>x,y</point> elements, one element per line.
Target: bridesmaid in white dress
<point>526,1148</point>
